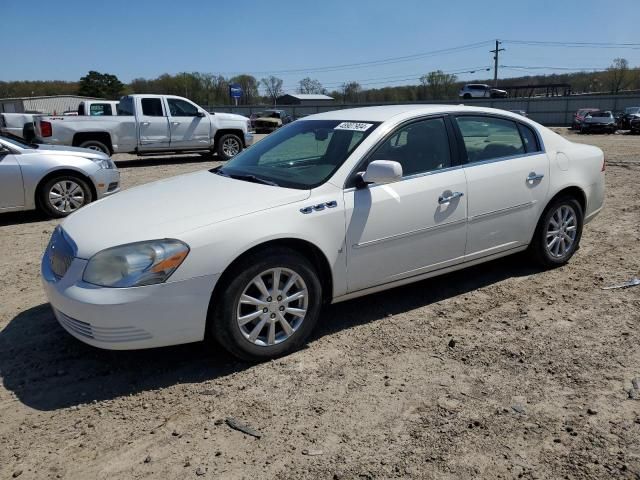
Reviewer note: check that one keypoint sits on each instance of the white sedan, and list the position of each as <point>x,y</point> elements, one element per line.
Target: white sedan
<point>332,207</point>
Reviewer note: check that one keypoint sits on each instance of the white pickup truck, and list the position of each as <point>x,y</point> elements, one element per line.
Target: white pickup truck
<point>148,124</point>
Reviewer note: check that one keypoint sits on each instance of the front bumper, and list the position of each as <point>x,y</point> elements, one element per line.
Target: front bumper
<point>128,318</point>
<point>106,182</point>
<point>248,139</point>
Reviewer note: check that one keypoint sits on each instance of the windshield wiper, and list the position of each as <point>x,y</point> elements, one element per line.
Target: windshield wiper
<point>252,178</point>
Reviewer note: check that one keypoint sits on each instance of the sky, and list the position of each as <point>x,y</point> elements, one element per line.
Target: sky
<point>63,40</point>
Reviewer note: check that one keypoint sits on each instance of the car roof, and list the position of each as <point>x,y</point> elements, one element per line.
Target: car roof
<point>400,112</point>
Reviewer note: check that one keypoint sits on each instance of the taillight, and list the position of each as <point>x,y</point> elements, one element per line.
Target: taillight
<point>45,129</point>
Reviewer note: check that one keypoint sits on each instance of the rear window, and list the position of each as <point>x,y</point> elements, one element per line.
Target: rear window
<point>99,109</point>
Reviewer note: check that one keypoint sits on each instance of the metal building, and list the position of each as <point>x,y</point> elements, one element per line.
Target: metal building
<point>303,99</point>
<point>51,105</point>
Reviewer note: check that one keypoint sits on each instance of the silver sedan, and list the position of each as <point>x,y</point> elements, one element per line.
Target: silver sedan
<point>57,180</point>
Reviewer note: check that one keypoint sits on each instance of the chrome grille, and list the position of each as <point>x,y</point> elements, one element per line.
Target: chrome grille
<point>60,252</point>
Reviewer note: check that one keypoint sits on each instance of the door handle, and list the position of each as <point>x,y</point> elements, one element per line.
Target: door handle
<point>145,124</point>
<point>442,199</point>
<point>533,176</point>
<point>175,123</point>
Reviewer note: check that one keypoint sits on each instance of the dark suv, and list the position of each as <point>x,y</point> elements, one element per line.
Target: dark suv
<point>625,119</point>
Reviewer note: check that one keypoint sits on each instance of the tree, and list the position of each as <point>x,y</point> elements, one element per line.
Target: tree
<point>351,92</point>
<point>273,87</point>
<point>308,85</point>
<point>102,85</point>
<point>249,85</point>
<point>617,75</point>
<point>439,85</point>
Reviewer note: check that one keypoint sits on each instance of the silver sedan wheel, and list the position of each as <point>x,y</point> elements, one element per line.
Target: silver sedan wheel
<point>66,196</point>
<point>231,147</point>
<point>561,231</point>
<point>272,307</point>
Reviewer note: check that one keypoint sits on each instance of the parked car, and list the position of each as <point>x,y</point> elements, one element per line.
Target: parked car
<point>151,124</point>
<point>481,90</point>
<point>598,122</point>
<point>18,124</point>
<point>579,116</point>
<point>634,126</point>
<point>625,117</point>
<point>270,120</point>
<point>335,206</point>
<point>57,180</point>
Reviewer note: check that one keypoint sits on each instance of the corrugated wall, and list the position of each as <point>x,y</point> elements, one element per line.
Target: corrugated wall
<point>548,111</point>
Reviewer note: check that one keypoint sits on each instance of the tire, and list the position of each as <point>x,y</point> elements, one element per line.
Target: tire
<point>28,132</point>
<point>228,146</point>
<point>225,327</point>
<point>95,145</point>
<point>466,96</point>
<point>547,250</point>
<point>77,189</point>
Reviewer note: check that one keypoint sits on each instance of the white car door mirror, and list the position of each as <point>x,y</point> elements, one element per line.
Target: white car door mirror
<point>383,171</point>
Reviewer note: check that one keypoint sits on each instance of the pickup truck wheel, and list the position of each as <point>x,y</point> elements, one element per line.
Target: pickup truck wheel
<point>269,306</point>
<point>61,196</point>
<point>229,146</point>
<point>95,145</point>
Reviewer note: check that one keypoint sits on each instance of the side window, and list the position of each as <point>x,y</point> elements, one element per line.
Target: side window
<point>419,147</point>
<point>99,109</point>
<point>487,138</point>
<point>152,107</point>
<point>180,108</point>
<point>125,107</point>
<point>530,140</point>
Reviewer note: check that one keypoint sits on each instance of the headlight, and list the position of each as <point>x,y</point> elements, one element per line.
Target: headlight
<point>136,264</point>
<point>105,163</point>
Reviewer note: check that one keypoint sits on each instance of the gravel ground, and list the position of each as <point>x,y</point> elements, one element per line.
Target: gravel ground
<point>500,371</point>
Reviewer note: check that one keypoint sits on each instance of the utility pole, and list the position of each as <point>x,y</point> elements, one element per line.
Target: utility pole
<point>496,52</point>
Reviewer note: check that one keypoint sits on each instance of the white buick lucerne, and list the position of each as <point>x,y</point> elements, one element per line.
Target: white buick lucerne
<point>328,208</point>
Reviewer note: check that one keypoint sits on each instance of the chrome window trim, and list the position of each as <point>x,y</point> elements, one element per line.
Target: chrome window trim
<point>500,159</point>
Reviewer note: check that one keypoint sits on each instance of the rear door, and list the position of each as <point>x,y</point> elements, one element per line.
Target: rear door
<point>507,174</point>
<point>11,186</point>
<point>188,129</point>
<point>153,124</point>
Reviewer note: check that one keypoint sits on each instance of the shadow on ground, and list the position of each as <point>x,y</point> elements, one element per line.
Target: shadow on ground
<point>47,369</point>
<point>18,218</point>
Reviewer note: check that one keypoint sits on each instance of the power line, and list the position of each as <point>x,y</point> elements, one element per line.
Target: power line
<point>633,46</point>
<point>571,69</point>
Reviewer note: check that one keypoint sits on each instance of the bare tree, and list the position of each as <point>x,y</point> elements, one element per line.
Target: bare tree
<point>438,84</point>
<point>351,92</point>
<point>308,85</point>
<point>273,87</point>
<point>618,75</point>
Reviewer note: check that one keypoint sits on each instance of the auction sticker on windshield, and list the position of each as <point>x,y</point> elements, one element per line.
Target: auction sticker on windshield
<point>355,126</point>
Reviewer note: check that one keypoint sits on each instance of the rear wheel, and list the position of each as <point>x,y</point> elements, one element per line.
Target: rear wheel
<point>61,196</point>
<point>466,96</point>
<point>228,146</point>
<point>269,307</point>
<point>95,145</point>
<point>558,232</point>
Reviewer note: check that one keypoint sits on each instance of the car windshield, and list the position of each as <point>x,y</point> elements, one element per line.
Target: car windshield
<point>17,141</point>
<point>302,155</point>
<point>270,114</point>
<point>600,114</point>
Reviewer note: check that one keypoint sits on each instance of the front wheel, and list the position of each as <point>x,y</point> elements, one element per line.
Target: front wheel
<point>96,146</point>
<point>269,307</point>
<point>61,196</point>
<point>229,146</point>
<point>558,233</point>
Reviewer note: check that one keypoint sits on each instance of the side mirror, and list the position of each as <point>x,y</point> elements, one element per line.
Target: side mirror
<point>382,171</point>
<point>200,114</point>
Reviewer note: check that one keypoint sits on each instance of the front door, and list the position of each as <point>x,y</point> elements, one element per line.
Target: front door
<point>188,130</point>
<point>412,226</point>
<point>508,179</point>
<point>153,124</point>
<point>11,186</point>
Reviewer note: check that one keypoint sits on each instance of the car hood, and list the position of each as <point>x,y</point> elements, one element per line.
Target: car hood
<point>169,208</point>
<point>69,151</point>
<point>231,116</point>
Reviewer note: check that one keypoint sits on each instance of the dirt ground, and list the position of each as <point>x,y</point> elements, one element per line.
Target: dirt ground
<point>499,371</point>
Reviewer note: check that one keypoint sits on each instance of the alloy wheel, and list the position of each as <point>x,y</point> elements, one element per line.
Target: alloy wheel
<point>561,231</point>
<point>66,196</point>
<point>231,147</point>
<point>272,307</point>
